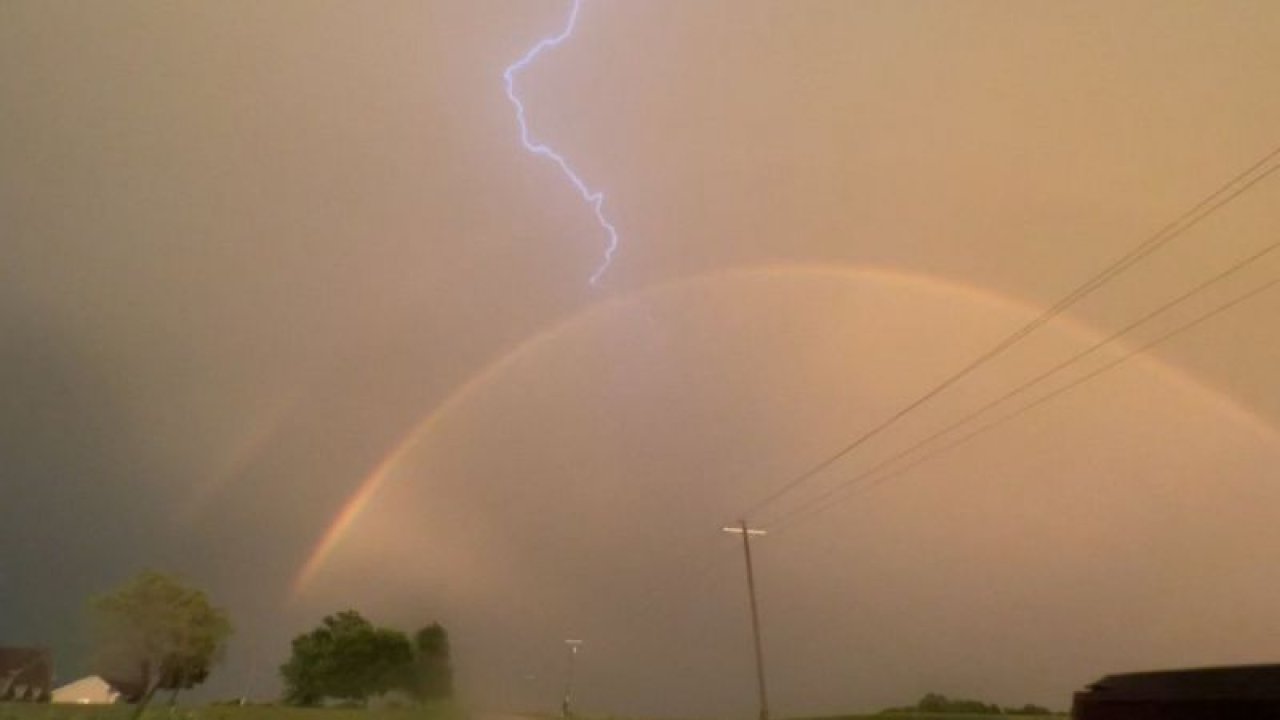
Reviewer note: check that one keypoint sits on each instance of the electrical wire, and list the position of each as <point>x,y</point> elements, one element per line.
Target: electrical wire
<point>1028,384</point>
<point>795,517</point>
<point>1219,198</point>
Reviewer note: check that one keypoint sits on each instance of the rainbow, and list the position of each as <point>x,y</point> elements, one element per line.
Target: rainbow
<point>380,474</point>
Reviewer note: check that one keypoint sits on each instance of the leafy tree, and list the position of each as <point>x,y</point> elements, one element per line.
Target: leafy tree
<point>153,632</point>
<point>432,677</point>
<point>1029,709</point>
<point>938,704</point>
<point>345,658</point>
<point>933,702</point>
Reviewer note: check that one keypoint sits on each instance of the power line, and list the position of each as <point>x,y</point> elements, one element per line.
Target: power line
<point>1189,219</point>
<point>794,517</point>
<point>1026,385</point>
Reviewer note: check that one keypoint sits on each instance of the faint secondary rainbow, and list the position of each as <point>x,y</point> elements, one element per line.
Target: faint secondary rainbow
<point>261,430</point>
<point>376,479</point>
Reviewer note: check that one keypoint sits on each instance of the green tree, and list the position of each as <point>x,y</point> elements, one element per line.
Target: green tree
<point>345,658</point>
<point>432,678</point>
<point>933,702</point>
<point>153,632</point>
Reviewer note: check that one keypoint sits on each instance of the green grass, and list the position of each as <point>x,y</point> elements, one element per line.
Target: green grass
<point>936,716</point>
<point>19,711</point>
<point>36,711</point>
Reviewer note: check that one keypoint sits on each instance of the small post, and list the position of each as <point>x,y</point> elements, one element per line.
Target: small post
<point>565,710</point>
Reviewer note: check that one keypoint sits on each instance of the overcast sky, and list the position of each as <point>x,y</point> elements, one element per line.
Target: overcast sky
<point>260,256</point>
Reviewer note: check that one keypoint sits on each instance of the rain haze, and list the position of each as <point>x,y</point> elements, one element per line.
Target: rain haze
<point>286,308</point>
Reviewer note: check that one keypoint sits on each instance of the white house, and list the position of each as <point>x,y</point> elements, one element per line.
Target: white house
<point>92,690</point>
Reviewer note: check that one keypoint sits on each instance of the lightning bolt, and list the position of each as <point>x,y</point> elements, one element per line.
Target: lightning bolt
<point>593,198</point>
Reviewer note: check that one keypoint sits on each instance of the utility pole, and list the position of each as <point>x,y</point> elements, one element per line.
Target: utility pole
<point>568,685</point>
<point>746,534</point>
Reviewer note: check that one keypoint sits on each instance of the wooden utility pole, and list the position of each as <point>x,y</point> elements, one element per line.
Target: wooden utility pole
<point>746,534</point>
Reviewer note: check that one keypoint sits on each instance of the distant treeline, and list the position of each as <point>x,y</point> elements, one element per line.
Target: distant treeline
<point>936,703</point>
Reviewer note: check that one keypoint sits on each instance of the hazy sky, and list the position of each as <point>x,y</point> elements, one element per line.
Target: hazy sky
<point>258,256</point>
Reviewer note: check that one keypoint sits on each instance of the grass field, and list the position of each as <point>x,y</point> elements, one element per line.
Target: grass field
<point>19,711</point>
<point>937,716</point>
<point>34,711</point>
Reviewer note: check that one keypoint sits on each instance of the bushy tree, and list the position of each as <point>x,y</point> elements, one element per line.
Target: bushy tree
<point>155,633</point>
<point>1029,709</point>
<point>432,678</point>
<point>938,703</point>
<point>345,658</point>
